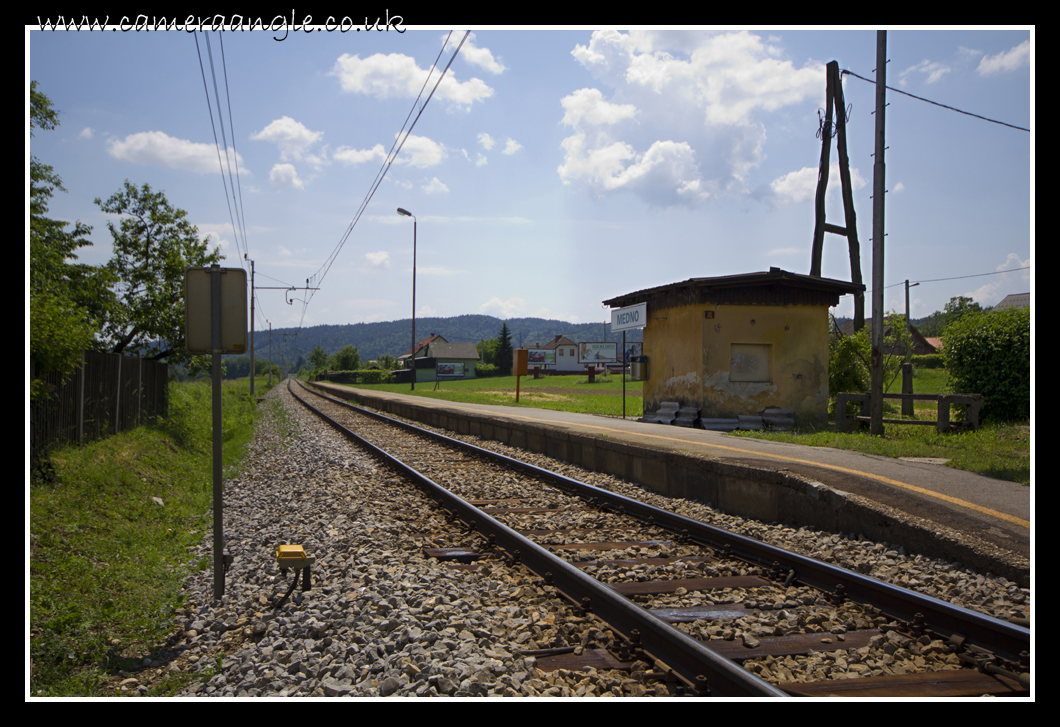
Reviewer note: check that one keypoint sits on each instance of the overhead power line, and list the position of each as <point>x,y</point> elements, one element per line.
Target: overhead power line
<point>220,120</point>
<point>936,103</point>
<point>395,149</point>
<point>978,275</point>
<point>960,277</point>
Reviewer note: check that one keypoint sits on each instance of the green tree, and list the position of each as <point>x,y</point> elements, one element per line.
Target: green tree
<point>66,299</point>
<point>346,359</point>
<point>387,362</point>
<point>318,359</point>
<point>850,357</point>
<point>958,308</point>
<point>504,350</point>
<point>487,351</point>
<point>152,247</point>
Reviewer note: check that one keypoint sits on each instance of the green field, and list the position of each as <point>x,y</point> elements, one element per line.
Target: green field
<point>562,393</point>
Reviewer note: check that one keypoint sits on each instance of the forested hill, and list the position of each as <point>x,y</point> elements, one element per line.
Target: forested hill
<point>395,337</point>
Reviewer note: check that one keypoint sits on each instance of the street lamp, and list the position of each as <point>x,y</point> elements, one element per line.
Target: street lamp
<point>409,214</point>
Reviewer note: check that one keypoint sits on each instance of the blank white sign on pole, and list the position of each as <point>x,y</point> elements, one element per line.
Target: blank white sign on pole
<point>233,310</point>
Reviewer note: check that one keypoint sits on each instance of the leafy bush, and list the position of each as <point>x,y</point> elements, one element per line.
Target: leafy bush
<point>990,354</point>
<point>483,369</point>
<point>374,376</point>
<point>929,361</point>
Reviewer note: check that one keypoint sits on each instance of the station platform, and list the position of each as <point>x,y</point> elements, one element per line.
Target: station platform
<point>924,505</point>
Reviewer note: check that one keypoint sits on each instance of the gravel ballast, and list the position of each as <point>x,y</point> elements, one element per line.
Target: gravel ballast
<point>384,620</point>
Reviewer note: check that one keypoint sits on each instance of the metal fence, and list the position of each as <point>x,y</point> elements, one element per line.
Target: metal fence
<point>109,393</point>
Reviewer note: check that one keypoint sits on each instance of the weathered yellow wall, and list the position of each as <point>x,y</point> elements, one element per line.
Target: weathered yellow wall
<point>689,359</point>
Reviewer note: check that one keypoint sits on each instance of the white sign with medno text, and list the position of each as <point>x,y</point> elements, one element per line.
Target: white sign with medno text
<point>634,316</point>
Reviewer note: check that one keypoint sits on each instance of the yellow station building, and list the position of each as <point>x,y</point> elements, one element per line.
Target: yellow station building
<point>736,344</point>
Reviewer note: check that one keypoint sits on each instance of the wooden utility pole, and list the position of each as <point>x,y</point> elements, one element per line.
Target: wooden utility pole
<point>878,190</point>
<point>834,100</point>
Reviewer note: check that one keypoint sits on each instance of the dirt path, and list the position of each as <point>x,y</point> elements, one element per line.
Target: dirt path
<point>560,390</point>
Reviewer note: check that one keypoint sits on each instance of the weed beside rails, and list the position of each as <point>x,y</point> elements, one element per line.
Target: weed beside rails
<point>109,534</point>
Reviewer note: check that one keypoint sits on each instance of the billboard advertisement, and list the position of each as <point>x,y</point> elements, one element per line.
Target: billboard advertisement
<point>598,352</point>
<point>542,357</point>
<point>633,349</point>
<point>451,370</point>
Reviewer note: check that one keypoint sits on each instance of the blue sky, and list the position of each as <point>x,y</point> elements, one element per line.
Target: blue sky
<point>552,169</point>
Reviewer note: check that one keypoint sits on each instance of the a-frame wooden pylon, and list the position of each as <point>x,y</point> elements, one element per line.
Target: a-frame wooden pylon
<point>834,101</point>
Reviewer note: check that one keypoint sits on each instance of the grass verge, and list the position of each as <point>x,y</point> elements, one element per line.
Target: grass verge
<point>602,397</point>
<point>109,536</point>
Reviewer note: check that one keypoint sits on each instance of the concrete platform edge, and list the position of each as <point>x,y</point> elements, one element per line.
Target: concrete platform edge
<point>760,493</point>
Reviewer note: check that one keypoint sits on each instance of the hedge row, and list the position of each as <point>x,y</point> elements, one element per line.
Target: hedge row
<point>990,354</point>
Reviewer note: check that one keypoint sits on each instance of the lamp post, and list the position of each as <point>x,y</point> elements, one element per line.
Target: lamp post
<point>409,214</point>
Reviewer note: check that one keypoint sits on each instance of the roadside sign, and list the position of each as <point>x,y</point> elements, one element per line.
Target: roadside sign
<point>634,316</point>
<point>197,330</point>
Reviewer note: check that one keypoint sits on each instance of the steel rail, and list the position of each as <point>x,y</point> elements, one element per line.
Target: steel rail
<point>1003,639</point>
<point>689,659</point>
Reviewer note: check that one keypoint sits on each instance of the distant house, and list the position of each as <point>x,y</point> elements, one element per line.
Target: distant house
<point>566,356</point>
<point>421,350</point>
<point>437,359</point>
<point>921,344</point>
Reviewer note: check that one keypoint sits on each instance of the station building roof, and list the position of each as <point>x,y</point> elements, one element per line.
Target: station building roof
<point>773,287</point>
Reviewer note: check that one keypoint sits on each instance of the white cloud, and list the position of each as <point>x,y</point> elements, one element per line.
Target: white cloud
<point>359,156</point>
<point>503,308</point>
<point>898,188</point>
<point>86,133</point>
<point>587,104</point>
<point>801,186</point>
<point>481,56</point>
<point>486,141</point>
<point>934,70</point>
<point>435,186</point>
<point>666,174</point>
<point>285,175</point>
<point>728,75</point>
<point>397,75</point>
<point>511,147</point>
<point>698,98</point>
<point>156,147</point>
<point>379,259</point>
<point>436,270</point>
<point>991,292</point>
<point>1006,61</point>
<point>418,151</point>
<point>480,160</point>
<point>291,137</point>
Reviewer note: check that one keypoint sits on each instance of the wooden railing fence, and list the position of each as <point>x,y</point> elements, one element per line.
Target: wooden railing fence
<point>108,394</point>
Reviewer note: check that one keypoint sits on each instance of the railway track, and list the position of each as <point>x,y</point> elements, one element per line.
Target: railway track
<point>709,607</point>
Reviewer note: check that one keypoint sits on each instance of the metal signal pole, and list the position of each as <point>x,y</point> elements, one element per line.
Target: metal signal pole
<point>878,190</point>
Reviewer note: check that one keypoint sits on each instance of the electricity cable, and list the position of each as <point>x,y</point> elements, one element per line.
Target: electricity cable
<point>380,176</point>
<point>209,108</point>
<point>936,103</point>
<point>228,159</point>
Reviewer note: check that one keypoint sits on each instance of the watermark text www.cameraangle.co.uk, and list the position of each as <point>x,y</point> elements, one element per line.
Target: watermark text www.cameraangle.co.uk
<point>231,23</point>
